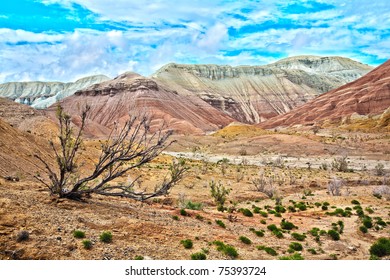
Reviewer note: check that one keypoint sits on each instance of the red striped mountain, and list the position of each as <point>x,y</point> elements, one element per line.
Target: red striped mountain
<point>133,94</point>
<point>369,95</point>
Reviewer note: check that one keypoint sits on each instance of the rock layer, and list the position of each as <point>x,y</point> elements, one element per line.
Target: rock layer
<point>369,95</point>
<point>252,94</point>
<point>131,94</point>
<point>43,94</point>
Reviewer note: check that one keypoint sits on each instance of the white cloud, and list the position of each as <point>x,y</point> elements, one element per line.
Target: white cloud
<point>213,38</point>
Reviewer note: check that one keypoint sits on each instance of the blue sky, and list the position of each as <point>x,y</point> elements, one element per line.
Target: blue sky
<point>65,40</point>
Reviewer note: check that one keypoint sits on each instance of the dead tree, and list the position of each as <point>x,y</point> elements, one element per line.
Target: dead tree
<point>126,148</point>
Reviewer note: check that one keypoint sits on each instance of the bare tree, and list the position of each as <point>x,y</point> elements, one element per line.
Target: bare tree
<point>126,148</point>
<point>334,186</point>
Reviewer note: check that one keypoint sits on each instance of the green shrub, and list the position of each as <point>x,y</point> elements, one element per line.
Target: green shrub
<point>291,209</point>
<point>268,250</point>
<point>138,258</point>
<point>355,202</point>
<point>194,205</point>
<point>226,249</point>
<point>245,240</point>
<point>176,218</point>
<point>78,234</point>
<point>220,223</point>
<point>272,227</point>
<point>381,247</point>
<point>334,234</point>
<point>280,209</point>
<point>106,236</point>
<point>278,233</point>
<point>259,233</point>
<point>263,213</point>
<point>312,251</point>
<point>314,231</point>
<point>246,212</point>
<point>294,257</point>
<point>287,225</point>
<point>187,243</point>
<point>198,256</point>
<point>219,193</point>
<point>324,207</point>
<point>183,212</point>
<point>367,222</point>
<point>317,204</point>
<point>297,236</point>
<point>295,246</point>
<point>369,210</point>
<point>263,222</point>
<point>199,217</point>
<point>363,229</point>
<point>87,244</point>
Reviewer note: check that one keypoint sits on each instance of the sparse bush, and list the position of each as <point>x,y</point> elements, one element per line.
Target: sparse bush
<point>22,236</point>
<point>187,243</point>
<point>369,210</point>
<point>198,256</point>
<point>127,148</point>
<point>295,246</point>
<point>106,236</point>
<point>138,258</point>
<point>176,218</point>
<point>334,187</point>
<point>297,236</point>
<point>334,234</point>
<point>264,184</point>
<point>340,164</point>
<point>78,234</point>
<point>382,191</point>
<point>87,244</point>
<point>278,233</point>
<point>379,169</point>
<point>219,194</point>
<point>220,223</point>
<point>183,212</point>
<point>381,247</point>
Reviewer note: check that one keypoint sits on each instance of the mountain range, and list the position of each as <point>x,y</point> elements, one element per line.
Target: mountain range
<point>198,99</point>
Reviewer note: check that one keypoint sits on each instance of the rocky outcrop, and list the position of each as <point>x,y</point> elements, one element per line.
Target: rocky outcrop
<point>43,94</point>
<point>369,95</point>
<point>252,94</point>
<point>131,94</point>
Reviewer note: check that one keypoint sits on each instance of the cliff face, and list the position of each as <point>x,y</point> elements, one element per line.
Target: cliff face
<point>43,94</point>
<point>368,95</point>
<point>252,94</point>
<point>131,94</point>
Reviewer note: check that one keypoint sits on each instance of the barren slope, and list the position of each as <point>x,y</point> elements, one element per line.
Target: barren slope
<point>369,95</point>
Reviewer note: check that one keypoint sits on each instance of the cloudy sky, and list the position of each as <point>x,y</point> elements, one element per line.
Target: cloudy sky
<point>64,40</point>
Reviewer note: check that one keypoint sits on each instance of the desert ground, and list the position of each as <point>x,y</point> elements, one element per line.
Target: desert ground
<point>296,165</point>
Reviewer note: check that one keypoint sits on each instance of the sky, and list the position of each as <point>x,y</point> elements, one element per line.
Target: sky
<point>63,40</point>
